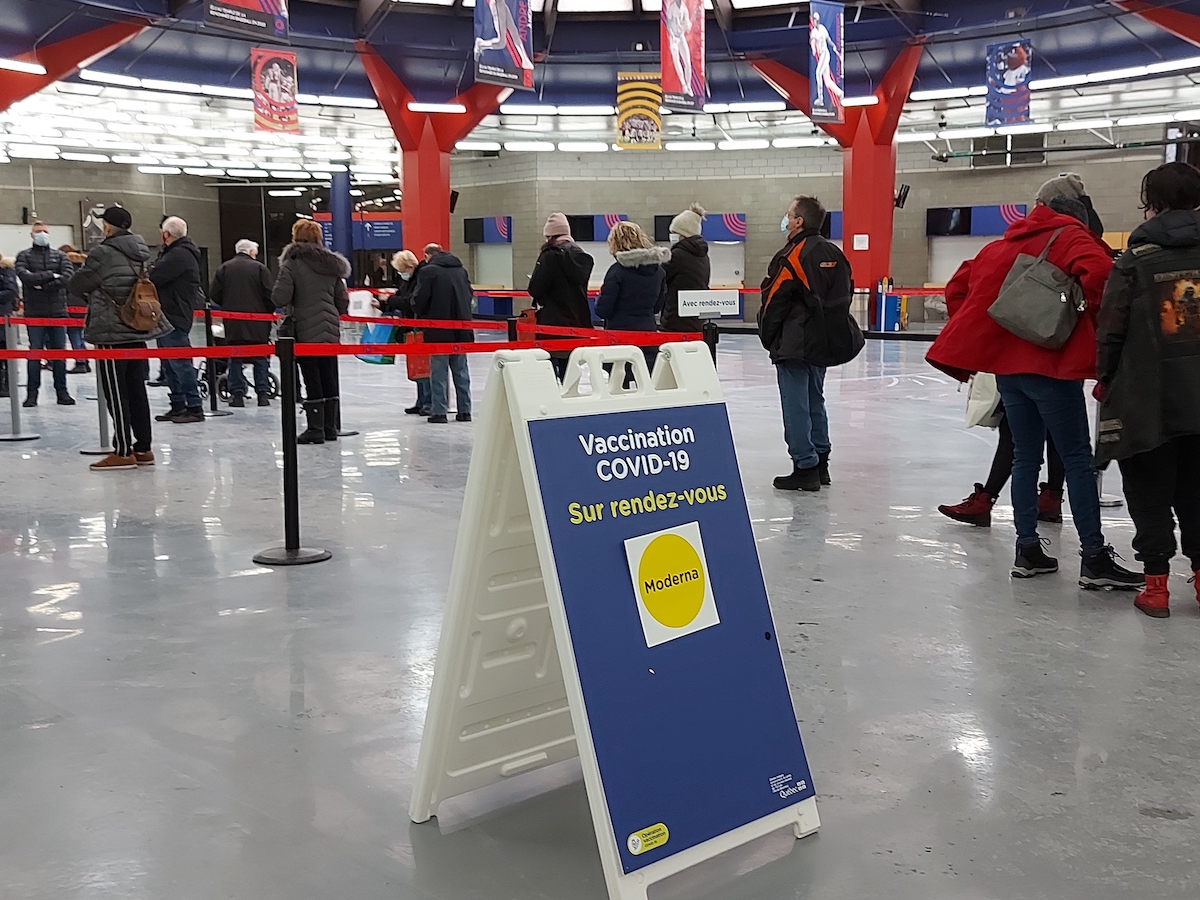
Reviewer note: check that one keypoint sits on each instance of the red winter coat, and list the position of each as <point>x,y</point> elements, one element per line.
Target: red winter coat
<point>971,342</point>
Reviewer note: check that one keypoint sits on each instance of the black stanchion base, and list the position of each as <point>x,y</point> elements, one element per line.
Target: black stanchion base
<point>346,433</point>
<point>216,413</point>
<point>281,556</point>
<point>23,436</point>
<point>101,452</point>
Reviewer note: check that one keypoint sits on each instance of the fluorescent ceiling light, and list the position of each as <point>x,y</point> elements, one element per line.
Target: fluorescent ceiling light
<point>32,151</point>
<point>528,146</point>
<point>1044,84</point>
<point>86,157</point>
<point>1191,62</point>
<point>109,78</point>
<point>798,142</point>
<point>159,170</point>
<point>1085,124</point>
<point>353,102</point>
<point>1118,74</point>
<point>583,146</point>
<point>220,90</point>
<point>866,100</point>
<point>291,173</point>
<point>691,145</point>
<point>27,68</point>
<point>952,93</point>
<point>1027,128</point>
<point>176,87</point>
<point>751,106</point>
<point>965,133</point>
<point>587,111</point>
<point>113,145</point>
<point>155,119</point>
<point>518,109</point>
<point>1146,120</point>
<point>134,128</point>
<point>308,99</point>
<point>245,173</point>
<point>135,160</point>
<point>209,173</point>
<point>327,168</point>
<point>328,153</point>
<point>70,87</point>
<point>1188,115</point>
<point>915,137</point>
<point>271,151</point>
<point>477,145</point>
<point>716,107</point>
<point>295,192</point>
<point>744,145</point>
<point>415,106</point>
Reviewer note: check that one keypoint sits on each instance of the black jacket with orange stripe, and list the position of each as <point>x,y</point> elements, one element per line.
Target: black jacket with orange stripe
<point>805,316</point>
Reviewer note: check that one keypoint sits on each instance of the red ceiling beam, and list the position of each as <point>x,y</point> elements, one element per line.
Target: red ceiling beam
<point>63,58</point>
<point>1184,26</point>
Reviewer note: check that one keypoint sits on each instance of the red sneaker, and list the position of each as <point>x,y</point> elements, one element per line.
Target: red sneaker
<point>1195,582</point>
<point>1155,598</point>
<point>1050,504</point>
<point>975,510</point>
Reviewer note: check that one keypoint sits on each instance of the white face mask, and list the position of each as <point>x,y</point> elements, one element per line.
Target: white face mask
<point>404,276</point>
<point>674,238</point>
<point>783,225</point>
<point>41,238</point>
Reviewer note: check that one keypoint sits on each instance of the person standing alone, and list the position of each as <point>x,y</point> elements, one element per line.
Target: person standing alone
<point>1148,365</point>
<point>243,285</point>
<point>806,325</point>
<point>44,272</point>
<point>176,274</point>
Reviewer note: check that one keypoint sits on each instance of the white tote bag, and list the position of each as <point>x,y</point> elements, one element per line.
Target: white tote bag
<point>983,401</point>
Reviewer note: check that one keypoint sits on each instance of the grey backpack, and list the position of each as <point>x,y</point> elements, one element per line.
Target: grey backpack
<point>1038,301</point>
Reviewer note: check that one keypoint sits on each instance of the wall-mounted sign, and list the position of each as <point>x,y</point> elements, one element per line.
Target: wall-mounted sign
<point>265,19</point>
<point>1009,67</point>
<point>639,110</point>
<point>681,35</point>
<point>273,80</point>
<point>826,63</point>
<point>371,231</point>
<point>504,43</point>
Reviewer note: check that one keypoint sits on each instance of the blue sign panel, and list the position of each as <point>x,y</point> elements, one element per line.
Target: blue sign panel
<point>725,227</point>
<point>378,234</point>
<point>682,678</point>
<point>835,225</point>
<point>603,223</point>
<point>994,220</point>
<point>497,230</point>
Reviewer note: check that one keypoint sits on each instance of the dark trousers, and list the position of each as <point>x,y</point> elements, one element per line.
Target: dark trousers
<point>125,392</point>
<point>261,366</point>
<point>46,337</point>
<point>320,377</point>
<point>182,385</point>
<point>1002,463</point>
<point>1034,406</point>
<point>1164,479</point>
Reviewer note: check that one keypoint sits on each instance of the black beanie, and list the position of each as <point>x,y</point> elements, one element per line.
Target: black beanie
<point>117,217</point>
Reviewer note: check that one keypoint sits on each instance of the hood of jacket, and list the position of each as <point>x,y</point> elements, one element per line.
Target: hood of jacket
<point>317,258</point>
<point>1173,228</point>
<point>182,245</point>
<point>445,260</point>
<point>1041,220</point>
<point>648,256</point>
<point>695,245</point>
<point>130,244</point>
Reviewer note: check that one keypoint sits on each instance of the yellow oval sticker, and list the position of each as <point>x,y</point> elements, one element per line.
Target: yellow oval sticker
<point>648,838</point>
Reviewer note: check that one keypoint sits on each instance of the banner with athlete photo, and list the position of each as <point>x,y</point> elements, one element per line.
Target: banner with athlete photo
<point>681,33</point>
<point>826,63</point>
<point>273,80</point>
<point>504,43</point>
<point>639,110</point>
<point>264,19</point>
<point>1009,67</point>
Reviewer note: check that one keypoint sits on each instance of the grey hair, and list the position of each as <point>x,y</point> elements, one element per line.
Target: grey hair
<point>175,226</point>
<point>247,246</point>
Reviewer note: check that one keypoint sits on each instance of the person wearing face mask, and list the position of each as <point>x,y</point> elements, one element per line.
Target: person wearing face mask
<point>401,304</point>
<point>805,323</point>
<point>558,285</point>
<point>688,269</point>
<point>44,272</point>
<point>243,284</point>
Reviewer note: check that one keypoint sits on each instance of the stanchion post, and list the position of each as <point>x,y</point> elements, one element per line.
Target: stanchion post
<point>102,405</point>
<point>14,392</point>
<point>1107,501</point>
<point>512,328</point>
<point>712,336</point>
<point>210,367</point>
<point>291,553</point>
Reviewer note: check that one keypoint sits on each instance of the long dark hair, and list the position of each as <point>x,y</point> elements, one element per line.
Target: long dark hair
<point>552,242</point>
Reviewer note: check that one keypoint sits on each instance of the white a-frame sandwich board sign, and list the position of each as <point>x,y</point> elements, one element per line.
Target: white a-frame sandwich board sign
<point>606,599</point>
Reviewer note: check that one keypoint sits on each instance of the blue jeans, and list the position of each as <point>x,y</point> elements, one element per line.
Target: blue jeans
<point>1035,405</point>
<point>181,374</point>
<point>262,370</point>
<point>805,422</point>
<point>440,369</point>
<point>75,335</point>
<point>424,394</point>
<point>46,337</point>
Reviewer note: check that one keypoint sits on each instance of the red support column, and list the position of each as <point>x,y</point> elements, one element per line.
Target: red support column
<point>62,58</point>
<point>869,163</point>
<point>426,140</point>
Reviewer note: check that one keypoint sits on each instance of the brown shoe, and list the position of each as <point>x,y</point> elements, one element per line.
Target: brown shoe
<point>144,459</point>
<point>112,461</point>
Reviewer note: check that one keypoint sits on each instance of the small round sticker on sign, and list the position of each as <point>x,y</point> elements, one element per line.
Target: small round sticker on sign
<point>648,838</point>
<point>671,583</point>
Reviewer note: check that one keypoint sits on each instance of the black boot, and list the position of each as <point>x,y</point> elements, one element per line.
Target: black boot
<point>331,419</point>
<point>823,468</point>
<point>799,480</point>
<point>315,433</point>
<point>4,378</point>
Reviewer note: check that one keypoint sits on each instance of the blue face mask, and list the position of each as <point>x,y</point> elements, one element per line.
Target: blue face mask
<point>41,238</point>
<point>783,225</point>
<point>404,276</point>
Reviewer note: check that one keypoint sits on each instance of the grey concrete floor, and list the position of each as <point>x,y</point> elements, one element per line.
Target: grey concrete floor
<point>176,722</point>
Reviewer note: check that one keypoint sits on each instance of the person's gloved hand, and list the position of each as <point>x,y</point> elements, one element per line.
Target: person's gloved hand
<point>1099,392</point>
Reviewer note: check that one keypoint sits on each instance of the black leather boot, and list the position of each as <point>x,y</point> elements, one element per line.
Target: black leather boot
<point>315,432</point>
<point>331,419</point>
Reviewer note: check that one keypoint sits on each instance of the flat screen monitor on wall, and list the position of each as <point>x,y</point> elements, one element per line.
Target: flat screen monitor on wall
<point>947,220</point>
<point>662,228</point>
<point>472,231</point>
<point>583,228</point>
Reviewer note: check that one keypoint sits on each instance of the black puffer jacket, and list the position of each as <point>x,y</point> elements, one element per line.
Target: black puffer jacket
<point>689,269</point>
<point>1148,339</point>
<point>634,290</point>
<point>559,284</point>
<point>243,284</point>
<point>8,289</point>
<point>176,274</point>
<point>106,279</point>
<point>311,290</point>
<point>443,291</point>
<point>44,272</point>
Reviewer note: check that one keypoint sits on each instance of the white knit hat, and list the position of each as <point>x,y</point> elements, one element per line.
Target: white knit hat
<point>687,223</point>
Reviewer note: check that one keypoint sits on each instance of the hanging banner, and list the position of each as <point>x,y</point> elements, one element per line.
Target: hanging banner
<point>273,80</point>
<point>681,33</point>
<point>504,43</point>
<point>1009,68</point>
<point>265,19</point>
<point>639,110</point>
<point>826,68</point>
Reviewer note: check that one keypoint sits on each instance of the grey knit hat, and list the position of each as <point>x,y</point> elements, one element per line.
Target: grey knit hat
<point>689,222</point>
<point>1066,184</point>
